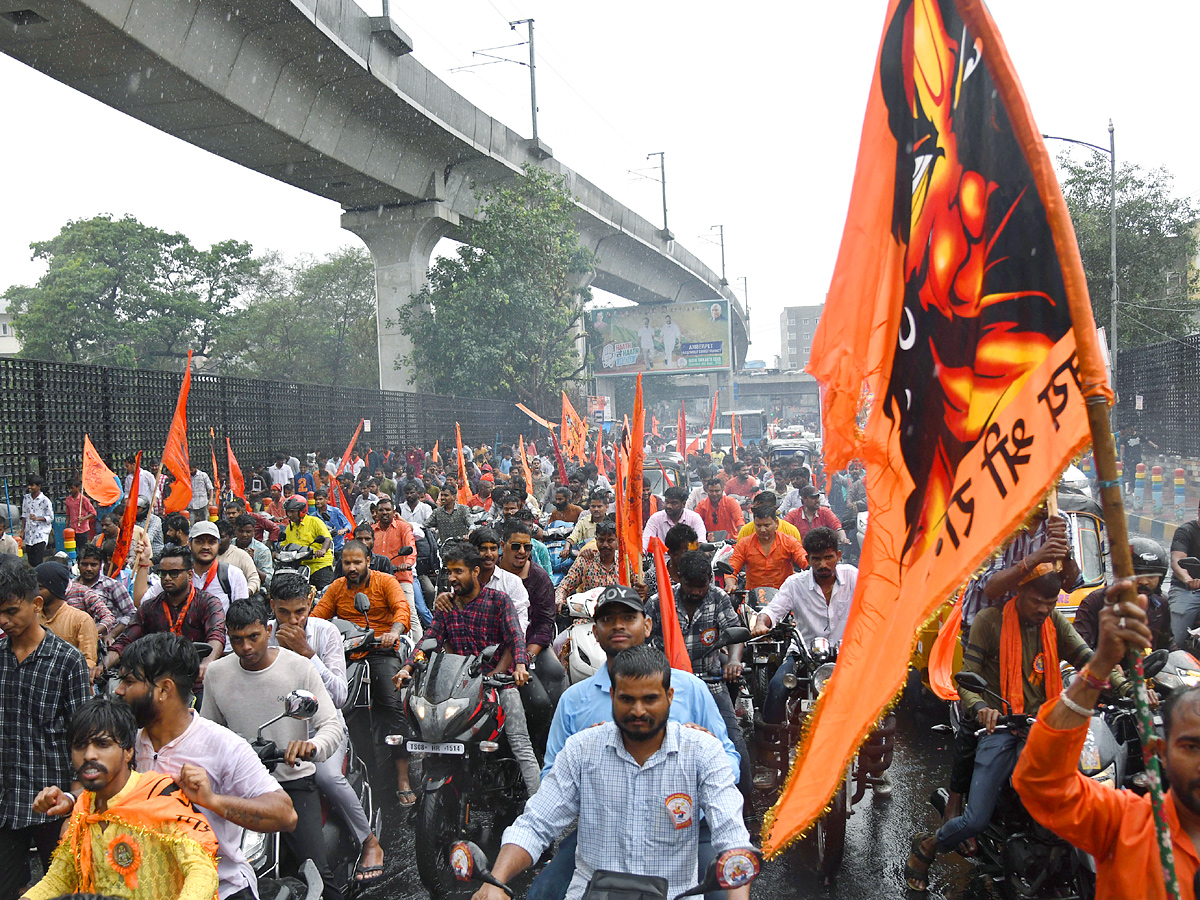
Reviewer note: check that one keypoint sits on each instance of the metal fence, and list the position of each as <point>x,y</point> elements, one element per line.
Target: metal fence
<point>46,408</point>
<point>1166,378</point>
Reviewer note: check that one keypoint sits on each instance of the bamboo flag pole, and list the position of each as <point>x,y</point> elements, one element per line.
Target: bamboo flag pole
<point>1105,455</point>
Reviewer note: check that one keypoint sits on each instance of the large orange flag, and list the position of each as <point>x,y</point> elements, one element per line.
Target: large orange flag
<point>434,455</point>
<point>959,303</point>
<point>941,655</point>
<point>632,498</point>
<point>525,466</point>
<point>464,489</point>
<point>99,481</point>
<point>681,430</point>
<point>574,430</point>
<point>175,456</point>
<point>236,482</point>
<point>349,454</point>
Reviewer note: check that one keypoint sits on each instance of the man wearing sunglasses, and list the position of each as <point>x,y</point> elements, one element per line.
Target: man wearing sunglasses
<point>182,608</point>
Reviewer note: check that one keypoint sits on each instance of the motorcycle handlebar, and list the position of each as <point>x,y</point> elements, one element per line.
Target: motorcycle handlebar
<point>1006,723</point>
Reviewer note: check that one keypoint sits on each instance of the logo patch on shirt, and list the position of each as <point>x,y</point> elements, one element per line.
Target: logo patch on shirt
<point>680,808</point>
<point>708,637</point>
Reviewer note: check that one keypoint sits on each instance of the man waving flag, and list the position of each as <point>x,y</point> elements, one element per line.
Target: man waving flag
<point>959,302</point>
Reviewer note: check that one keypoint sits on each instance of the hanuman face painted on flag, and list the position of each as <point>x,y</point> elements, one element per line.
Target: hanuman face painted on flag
<point>982,307</point>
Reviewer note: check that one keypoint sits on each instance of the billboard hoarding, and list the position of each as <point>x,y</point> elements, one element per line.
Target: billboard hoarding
<point>661,340</point>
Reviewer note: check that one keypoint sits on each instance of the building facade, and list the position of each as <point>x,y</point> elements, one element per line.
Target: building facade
<point>9,345</point>
<point>797,325</point>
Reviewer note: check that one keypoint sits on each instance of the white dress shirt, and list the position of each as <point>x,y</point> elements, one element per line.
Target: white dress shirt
<point>515,588</point>
<point>801,596</point>
<point>280,475</point>
<point>658,525</point>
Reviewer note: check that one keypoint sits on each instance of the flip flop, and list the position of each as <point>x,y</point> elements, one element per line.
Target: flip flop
<point>401,795</point>
<point>364,874</point>
<point>918,880</point>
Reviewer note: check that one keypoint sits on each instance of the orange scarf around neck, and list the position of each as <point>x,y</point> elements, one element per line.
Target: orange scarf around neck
<point>156,808</point>
<point>1012,676</point>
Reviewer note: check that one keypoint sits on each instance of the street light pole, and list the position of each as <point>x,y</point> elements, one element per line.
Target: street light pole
<point>1111,150</point>
<point>532,73</point>
<point>721,229</point>
<point>662,176</point>
<point>746,296</point>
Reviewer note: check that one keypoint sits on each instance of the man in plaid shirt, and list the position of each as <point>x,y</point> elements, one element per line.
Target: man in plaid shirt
<point>114,594</point>
<point>43,680</point>
<point>638,786</point>
<point>481,617</point>
<point>705,612</point>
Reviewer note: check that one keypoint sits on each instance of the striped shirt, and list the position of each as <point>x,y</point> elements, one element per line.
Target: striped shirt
<point>975,598</point>
<point>115,596</point>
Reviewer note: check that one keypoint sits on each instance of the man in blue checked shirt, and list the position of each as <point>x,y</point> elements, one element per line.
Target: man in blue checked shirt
<point>664,773</point>
<point>620,622</point>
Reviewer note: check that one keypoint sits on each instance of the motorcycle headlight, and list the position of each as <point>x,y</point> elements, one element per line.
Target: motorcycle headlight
<point>1108,776</point>
<point>419,707</point>
<point>821,676</point>
<point>353,643</point>
<point>1190,677</point>
<point>452,708</point>
<point>254,846</point>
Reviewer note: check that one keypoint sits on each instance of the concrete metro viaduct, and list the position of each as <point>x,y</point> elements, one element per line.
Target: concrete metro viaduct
<point>320,95</point>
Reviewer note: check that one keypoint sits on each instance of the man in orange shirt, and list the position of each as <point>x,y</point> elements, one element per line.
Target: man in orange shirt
<point>1115,827</point>
<point>391,534</point>
<point>389,617</point>
<point>768,556</point>
<point>719,512</point>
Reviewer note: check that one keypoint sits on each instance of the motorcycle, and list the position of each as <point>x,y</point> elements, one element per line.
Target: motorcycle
<point>266,852</point>
<point>583,654</point>
<point>734,868</point>
<point>1026,859</point>
<point>777,748</point>
<point>457,723</point>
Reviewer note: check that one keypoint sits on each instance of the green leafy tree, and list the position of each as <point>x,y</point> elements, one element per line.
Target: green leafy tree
<point>316,317</point>
<point>498,319</point>
<point>1156,244</point>
<point>120,292</point>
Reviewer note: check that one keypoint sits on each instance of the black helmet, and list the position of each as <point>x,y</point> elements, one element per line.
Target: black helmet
<point>294,503</point>
<point>1149,558</point>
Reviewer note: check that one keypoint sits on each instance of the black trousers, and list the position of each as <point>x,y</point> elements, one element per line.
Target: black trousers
<point>307,842</point>
<point>322,578</point>
<point>35,554</point>
<point>14,853</point>
<point>386,704</point>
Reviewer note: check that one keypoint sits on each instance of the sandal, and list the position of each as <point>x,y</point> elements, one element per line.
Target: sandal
<point>364,874</point>
<point>918,880</point>
<point>410,795</point>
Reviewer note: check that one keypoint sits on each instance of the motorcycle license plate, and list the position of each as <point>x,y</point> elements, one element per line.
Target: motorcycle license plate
<point>422,747</point>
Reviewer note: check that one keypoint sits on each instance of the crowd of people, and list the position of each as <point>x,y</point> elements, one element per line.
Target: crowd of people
<point>130,689</point>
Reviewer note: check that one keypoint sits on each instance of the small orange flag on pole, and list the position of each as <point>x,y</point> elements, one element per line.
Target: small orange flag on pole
<point>712,421</point>
<point>128,520</point>
<point>464,489</point>
<point>437,459</point>
<point>175,456</point>
<point>632,498</point>
<point>236,482</point>
<point>673,643</point>
<point>99,481</point>
<point>525,466</point>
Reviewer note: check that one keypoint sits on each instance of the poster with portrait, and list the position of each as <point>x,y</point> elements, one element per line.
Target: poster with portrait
<point>669,339</point>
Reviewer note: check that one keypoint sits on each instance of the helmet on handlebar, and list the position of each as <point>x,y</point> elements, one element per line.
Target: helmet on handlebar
<point>1149,558</point>
<point>291,504</point>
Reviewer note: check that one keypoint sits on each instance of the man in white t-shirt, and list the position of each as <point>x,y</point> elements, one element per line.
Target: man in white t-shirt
<point>646,341</point>
<point>671,335</point>
<point>280,473</point>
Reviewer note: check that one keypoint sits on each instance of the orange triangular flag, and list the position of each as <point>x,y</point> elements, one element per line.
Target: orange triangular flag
<point>99,481</point>
<point>175,455</point>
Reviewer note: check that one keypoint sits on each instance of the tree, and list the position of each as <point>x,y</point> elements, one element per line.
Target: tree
<point>123,293</point>
<point>1156,242</point>
<point>499,318</point>
<point>315,317</point>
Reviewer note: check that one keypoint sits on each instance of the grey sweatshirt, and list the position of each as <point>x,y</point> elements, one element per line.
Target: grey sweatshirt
<point>242,700</point>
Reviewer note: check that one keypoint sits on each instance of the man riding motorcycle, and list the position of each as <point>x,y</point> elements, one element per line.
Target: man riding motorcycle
<point>1150,568</point>
<point>309,531</point>
<point>1017,651</point>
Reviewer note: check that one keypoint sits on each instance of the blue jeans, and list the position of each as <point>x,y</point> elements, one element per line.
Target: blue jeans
<point>1185,605</point>
<point>995,759</point>
<point>775,709</point>
<point>552,882</point>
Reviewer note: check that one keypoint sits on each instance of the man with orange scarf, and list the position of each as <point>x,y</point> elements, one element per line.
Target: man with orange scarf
<point>1017,651</point>
<point>131,834</point>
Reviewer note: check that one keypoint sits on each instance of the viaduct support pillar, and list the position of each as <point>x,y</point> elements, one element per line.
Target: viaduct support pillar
<point>401,240</point>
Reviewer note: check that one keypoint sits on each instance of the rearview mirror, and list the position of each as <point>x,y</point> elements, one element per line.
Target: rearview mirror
<point>1155,663</point>
<point>362,603</point>
<point>428,645</point>
<point>405,551</point>
<point>300,705</point>
<point>735,634</point>
<point>972,681</point>
<point>734,868</point>
<point>489,653</point>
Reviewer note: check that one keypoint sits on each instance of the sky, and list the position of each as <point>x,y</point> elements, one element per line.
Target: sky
<point>757,107</point>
